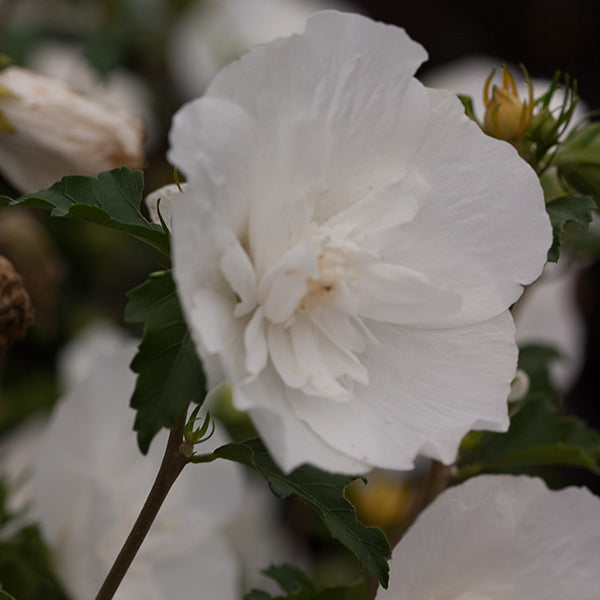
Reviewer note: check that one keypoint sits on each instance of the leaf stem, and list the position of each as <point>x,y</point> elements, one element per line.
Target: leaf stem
<point>172,465</point>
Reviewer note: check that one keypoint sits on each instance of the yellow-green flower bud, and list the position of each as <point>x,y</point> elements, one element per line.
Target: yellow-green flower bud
<point>507,117</point>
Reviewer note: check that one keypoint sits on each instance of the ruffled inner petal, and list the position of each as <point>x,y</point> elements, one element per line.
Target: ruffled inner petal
<point>239,273</point>
<point>255,343</point>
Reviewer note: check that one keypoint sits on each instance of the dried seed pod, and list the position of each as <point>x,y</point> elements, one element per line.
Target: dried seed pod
<point>16,312</point>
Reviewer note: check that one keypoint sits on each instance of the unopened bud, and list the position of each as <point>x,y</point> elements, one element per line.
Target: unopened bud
<point>48,131</point>
<point>507,117</point>
<point>162,200</point>
<point>519,386</point>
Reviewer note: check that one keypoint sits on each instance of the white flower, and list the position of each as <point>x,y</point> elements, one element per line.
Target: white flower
<point>348,246</point>
<point>91,480</point>
<point>213,33</point>
<point>18,452</point>
<point>500,538</point>
<point>55,131</point>
<point>120,88</point>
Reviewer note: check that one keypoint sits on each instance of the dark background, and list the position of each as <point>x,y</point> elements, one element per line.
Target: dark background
<point>545,35</point>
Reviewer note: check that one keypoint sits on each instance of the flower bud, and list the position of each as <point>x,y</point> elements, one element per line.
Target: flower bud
<point>507,117</point>
<point>384,501</point>
<point>50,131</point>
<point>519,386</point>
<point>578,160</point>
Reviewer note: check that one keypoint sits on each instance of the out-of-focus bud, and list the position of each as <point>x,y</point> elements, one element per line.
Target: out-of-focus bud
<point>162,200</point>
<point>507,117</point>
<point>385,500</point>
<point>578,160</point>
<point>16,312</point>
<point>519,386</point>
<point>54,131</point>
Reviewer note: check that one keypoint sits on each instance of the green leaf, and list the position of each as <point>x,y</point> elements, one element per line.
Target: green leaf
<point>324,492</point>
<point>112,200</point>
<point>573,208</point>
<point>539,435</point>
<point>298,586</point>
<point>5,596</point>
<point>257,595</point>
<point>170,374</point>
<point>290,578</point>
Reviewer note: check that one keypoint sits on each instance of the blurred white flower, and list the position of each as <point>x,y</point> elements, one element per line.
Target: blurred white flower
<point>120,88</point>
<point>500,538</point>
<point>18,451</point>
<point>258,538</point>
<point>215,32</point>
<point>54,131</point>
<point>91,481</point>
<point>348,246</point>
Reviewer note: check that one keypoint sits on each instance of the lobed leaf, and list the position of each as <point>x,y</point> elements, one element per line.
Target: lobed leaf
<point>112,200</point>
<point>324,492</point>
<point>298,586</point>
<point>573,208</point>
<point>170,374</point>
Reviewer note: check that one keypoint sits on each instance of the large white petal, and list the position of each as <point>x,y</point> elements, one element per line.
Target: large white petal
<point>481,229</point>
<point>427,388</point>
<point>347,80</point>
<point>289,439</point>
<point>213,143</point>
<point>501,537</point>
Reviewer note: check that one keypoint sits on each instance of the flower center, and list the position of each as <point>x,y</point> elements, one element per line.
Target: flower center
<point>332,272</point>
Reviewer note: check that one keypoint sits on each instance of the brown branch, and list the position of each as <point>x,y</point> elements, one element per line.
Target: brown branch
<point>170,468</point>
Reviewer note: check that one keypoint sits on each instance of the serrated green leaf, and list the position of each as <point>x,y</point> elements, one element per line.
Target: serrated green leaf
<point>258,595</point>
<point>298,586</point>
<point>112,200</point>
<point>351,591</point>
<point>170,374</point>
<point>573,208</point>
<point>539,435</point>
<point>324,492</point>
<point>290,578</point>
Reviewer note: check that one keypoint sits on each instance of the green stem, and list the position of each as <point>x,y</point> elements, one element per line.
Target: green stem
<point>170,468</point>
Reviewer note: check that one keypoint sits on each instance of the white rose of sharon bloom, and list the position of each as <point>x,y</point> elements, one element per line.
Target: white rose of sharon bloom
<point>90,482</point>
<point>500,537</point>
<point>348,246</point>
<point>51,131</point>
